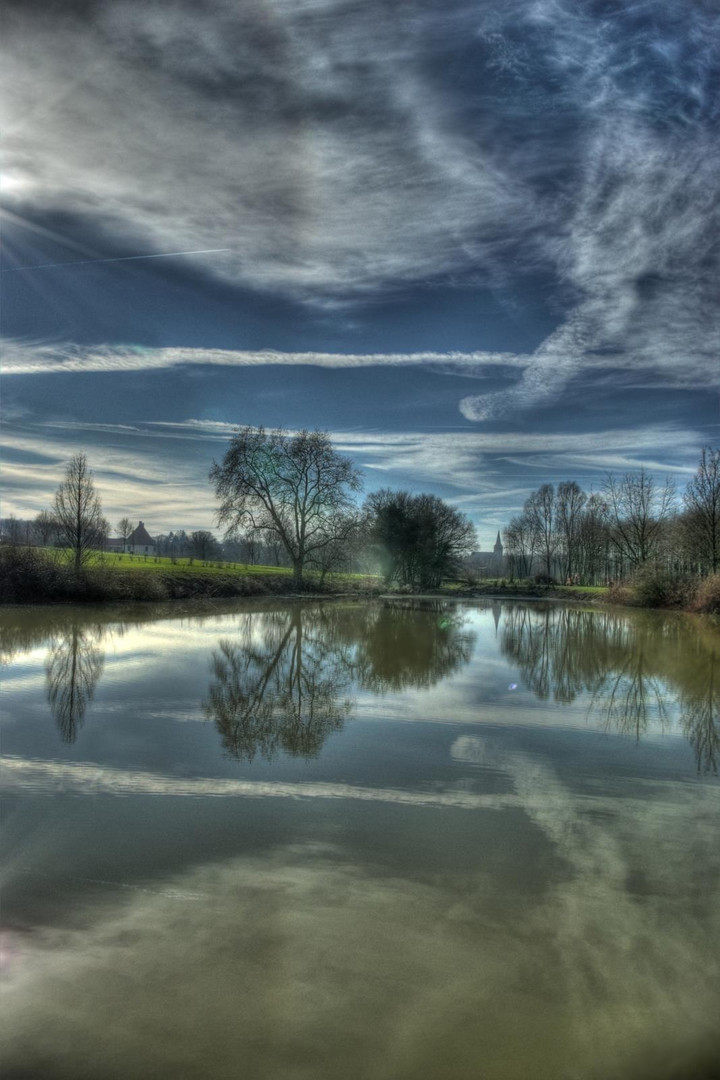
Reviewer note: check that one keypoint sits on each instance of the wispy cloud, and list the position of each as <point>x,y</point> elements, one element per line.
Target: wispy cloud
<point>321,173</point>
<point>158,469</point>
<point>586,145</point>
<point>27,358</point>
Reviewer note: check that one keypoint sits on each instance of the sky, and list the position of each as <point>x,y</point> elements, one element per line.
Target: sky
<point>477,241</point>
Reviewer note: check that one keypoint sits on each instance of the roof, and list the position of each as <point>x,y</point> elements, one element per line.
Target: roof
<point>140,535</point>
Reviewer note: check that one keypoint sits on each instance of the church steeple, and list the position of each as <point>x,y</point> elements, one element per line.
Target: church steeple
<point>498,549</point>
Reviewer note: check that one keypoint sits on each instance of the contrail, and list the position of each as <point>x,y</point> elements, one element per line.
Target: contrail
<point>122,258</point>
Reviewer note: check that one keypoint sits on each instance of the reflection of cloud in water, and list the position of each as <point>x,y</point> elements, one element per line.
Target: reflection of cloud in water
<point>56,777</point>
<point>631,923</point>
<point>297,965</point>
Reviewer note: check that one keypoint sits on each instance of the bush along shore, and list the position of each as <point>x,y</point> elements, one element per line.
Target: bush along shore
<point>34,576</point>
<point>648,588</point>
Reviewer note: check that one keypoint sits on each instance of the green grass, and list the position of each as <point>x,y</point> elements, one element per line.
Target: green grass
<point>195,567</point>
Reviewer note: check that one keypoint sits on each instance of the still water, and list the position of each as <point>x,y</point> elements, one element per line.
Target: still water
<point>399,841</point>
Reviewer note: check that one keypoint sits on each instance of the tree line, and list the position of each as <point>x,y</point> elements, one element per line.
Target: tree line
<point>609,535</point>
<point>292,500</point>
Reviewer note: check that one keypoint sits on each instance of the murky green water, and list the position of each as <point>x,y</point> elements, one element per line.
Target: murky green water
<point>335,841</point>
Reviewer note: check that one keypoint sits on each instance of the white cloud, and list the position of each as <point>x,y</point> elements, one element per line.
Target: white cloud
<point>322,174</point>
<point>168,484</point>
<point>27,358</point>
<point>257,127</point>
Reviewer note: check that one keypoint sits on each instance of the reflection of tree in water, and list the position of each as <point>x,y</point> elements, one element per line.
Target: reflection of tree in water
<point>409,646</point>
<point>561,651</point>
<point>72,669</point>
<point>285,685</point>
<point>631,696</point>
<point>700,704</point>
<point>280,686</point>
<point>630,664</point>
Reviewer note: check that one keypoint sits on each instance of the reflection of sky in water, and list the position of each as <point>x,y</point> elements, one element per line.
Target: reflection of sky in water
<point>458,874</point>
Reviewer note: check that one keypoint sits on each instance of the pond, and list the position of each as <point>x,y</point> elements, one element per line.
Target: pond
<point>401,839</point>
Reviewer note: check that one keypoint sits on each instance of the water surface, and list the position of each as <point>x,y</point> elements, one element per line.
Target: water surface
<point>389,840</point>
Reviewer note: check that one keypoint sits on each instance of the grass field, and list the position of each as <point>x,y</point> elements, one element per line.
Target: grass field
<point>195,567</point>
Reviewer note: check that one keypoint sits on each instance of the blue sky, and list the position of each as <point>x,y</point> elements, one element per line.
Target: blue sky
<point>478,242</point>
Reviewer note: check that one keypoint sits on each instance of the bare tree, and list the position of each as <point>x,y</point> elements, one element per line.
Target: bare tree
<point>274,544</point>
<point>540,512</point>
<point>520,542</point>
<point>702,505</point>
<point>569,503</point>
<point>45,527</point>
<point>78,512</point>
<point>335,556</point>
<point>638,510</point>
<point>125,527</point>
<point>291,486</point>
<point>593,541</point>
<point>11,531</point>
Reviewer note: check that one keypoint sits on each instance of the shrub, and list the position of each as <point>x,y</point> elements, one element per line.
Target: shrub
<point>621,593</point>
<point>654,586</point>
<point>707,595</point>
<point>27,575</point>
<point>544,579</point>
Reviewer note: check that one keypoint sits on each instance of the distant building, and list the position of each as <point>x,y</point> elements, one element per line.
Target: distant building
<point>139,542</point>
<point>489,563</point>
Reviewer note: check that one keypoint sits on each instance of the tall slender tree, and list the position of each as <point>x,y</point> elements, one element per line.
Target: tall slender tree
<point>540,512</point>
<point>125,527</point>
<point>702,506</point>
<point>78,512</point>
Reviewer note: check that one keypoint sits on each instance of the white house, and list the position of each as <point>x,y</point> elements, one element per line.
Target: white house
<point>140,542</point>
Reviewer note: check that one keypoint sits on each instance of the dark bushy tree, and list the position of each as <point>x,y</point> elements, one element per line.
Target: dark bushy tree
<point>203,545</point>
<point>419,539</point>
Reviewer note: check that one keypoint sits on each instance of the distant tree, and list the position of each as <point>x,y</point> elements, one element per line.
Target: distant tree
<point>78,512</point>
<point>180,543</point>
<point>45,528</point>
<point>593,541</point>
<point>203,545</point>
<point>250,546</point>
<point>345,539</point>
<point>702,506</point>
<point>104,531</point>
<point>12,532</point>
<point>638,511</point>
<point>125,527</point>
<point>274,545</point>
<point>569,503</point>
<point>419,539</point>
<point>520,541</point>
<point>291,486</point>
<point>540,512</point>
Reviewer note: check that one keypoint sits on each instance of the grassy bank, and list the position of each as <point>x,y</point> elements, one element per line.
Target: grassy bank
<point>501,588</point>
<point>41,576</point>
<point>650,588</point>
<point>38,576</point>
